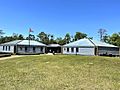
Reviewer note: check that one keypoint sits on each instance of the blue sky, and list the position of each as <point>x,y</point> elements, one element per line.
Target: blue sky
<point>59,16</point>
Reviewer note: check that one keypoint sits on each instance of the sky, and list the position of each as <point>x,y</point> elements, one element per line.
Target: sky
<point>59,17</point>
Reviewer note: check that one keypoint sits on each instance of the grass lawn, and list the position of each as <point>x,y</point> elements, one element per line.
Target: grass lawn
<point>60,72</point>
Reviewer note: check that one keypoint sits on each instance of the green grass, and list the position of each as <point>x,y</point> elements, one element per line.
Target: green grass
<point>60,72</point>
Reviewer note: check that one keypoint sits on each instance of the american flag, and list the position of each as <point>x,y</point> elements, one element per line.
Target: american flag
<point>30,30</point>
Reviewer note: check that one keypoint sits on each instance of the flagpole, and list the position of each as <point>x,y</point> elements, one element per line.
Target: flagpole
<point>29,40</point>
<point>30,30</point>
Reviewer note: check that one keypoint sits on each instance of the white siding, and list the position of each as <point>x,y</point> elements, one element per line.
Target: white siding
<point>86,51</point>
<point>7,50</point>
<point>81,51</point>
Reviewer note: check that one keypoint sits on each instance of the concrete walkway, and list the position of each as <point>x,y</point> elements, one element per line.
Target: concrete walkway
<point>13,56</point>
<point>49,54</point>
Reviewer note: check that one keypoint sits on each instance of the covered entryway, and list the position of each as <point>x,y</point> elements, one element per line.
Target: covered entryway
<point>53,48</point>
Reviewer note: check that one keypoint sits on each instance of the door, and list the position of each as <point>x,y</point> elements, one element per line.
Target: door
<point>14,49</point>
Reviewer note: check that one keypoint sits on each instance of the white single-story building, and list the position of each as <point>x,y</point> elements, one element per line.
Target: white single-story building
<point>90,47</point>
<point>22,47</point>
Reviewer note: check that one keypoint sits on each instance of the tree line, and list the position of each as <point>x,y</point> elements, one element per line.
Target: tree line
<point>111,39</point>
<point>50,39</point>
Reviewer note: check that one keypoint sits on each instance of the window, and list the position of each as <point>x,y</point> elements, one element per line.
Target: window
<point>67,49</point>
<point>6,48</point>
<point>20,48</point>
<point>3,48</point>
<point>72,49</point>
<point>9,48</point>
<point>33,49</point>
<point>25,49</point>
<point>77,49</point>
<point>64,49</point>
<point>41,49</point>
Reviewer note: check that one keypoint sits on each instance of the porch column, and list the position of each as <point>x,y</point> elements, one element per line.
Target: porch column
<point>119,51</point>
<point>97,51</point>
<point>61,49</point>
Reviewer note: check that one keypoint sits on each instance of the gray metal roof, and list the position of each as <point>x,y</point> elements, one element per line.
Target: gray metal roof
<point>53,45</point>
<point>12,42</point>
<point>102,44</point>
<point>81,42</point>
<point>32,42</point>
<point>24,42</point>
<point>88,43</point>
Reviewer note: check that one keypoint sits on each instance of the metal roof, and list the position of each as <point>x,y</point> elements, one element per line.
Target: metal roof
<point>81,42</point>
<point>53,45</point>
<point>12,42</point>
<point>32,42</point>
<point>24,42</point>
<point>88,43</point>
<point>102,44</point>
